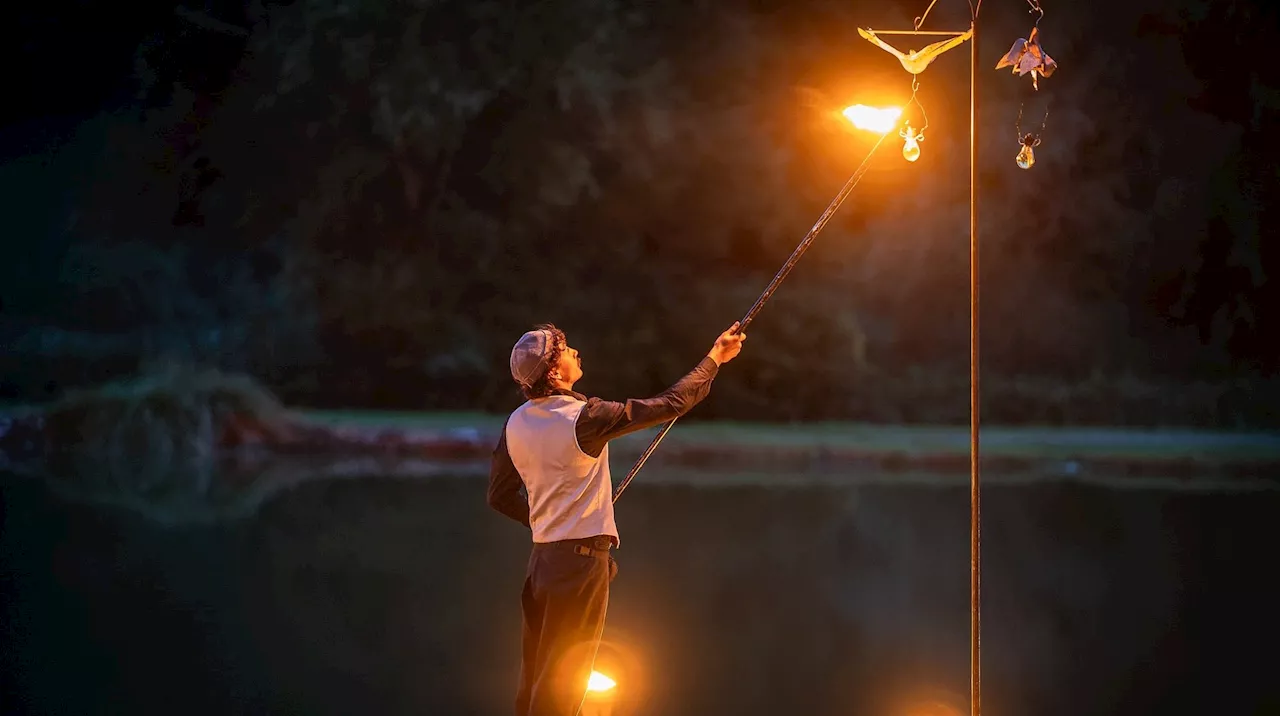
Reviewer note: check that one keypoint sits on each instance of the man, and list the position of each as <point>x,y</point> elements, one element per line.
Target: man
<point>555,447</point>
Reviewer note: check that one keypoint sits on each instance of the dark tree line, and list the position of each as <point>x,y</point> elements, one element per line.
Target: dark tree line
<point>363,204</point>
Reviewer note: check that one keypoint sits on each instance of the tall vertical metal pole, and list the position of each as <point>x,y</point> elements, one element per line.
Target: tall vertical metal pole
<point>975,512</point>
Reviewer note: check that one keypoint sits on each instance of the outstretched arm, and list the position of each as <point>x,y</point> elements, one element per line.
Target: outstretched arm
<point>603,420</point>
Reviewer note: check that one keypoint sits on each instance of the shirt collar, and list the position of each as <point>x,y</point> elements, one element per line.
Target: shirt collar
<point>570,393</point>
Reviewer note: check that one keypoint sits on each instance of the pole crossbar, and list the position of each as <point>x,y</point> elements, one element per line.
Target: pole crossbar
<point>948,33</point>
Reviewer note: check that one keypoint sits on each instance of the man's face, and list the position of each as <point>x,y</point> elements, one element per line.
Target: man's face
<point>570,366</point>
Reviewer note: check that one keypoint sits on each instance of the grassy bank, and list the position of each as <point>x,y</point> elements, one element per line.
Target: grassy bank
<point>183,412</point>
<point>922,440</point>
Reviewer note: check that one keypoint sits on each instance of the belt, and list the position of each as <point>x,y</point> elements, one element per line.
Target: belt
<point>589,546</point>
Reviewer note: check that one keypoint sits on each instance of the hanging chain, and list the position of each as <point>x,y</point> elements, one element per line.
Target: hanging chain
<point>1017,126</point>
<point>915,87</point>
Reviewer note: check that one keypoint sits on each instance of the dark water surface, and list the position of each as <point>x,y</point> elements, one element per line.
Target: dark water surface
<point>401,596</point>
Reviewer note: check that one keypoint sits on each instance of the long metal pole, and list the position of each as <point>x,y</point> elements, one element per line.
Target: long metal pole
<point>778,278</point>
<point>975,511</point>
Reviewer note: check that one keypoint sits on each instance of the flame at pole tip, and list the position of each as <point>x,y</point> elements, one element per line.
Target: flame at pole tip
<point>600,682</point>
<point>873,119</point>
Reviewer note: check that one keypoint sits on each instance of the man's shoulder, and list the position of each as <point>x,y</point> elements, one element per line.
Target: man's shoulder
<point>599,408</point>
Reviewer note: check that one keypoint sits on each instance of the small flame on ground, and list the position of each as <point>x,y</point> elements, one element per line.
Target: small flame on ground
<point>600,682</point>
<point>873,119</point>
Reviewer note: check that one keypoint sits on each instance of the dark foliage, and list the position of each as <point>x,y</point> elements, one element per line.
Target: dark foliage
<point>365,203</point>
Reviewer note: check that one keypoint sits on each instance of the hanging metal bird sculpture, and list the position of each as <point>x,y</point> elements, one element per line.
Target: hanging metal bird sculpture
<point>915,61</point>
<point>1026,55</point>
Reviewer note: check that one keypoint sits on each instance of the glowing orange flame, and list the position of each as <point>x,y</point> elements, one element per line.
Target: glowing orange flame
<point>600,682</point>
<point>873,119</point>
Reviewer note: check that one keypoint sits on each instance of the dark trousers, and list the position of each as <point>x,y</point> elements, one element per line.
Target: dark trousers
<point>565,597</point>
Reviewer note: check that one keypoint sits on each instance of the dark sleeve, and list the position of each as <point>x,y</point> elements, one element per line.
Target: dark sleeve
<point>505,484</point>
<point>603,420</point>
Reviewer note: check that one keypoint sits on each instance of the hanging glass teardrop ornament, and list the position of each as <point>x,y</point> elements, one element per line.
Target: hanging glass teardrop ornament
<point>911,143</point>
<point>1026,157</point>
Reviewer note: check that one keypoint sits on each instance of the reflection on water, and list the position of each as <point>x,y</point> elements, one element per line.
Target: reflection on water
<point>401,596</point>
